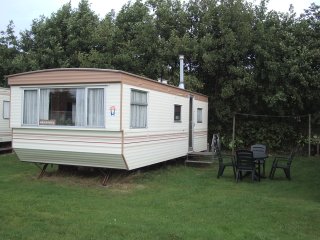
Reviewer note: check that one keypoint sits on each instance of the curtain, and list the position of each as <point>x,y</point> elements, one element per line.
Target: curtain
<point>80,108</point>
<point>44,104</point>
<point>30,107</point>
<point>138,109</point>
<point>96,107</point>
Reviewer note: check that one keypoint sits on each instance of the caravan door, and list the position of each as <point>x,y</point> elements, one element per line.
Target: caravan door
<point>191,124</point>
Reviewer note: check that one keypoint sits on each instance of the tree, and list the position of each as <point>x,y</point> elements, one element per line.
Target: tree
<point>136,41</point>
<point>8,51</point>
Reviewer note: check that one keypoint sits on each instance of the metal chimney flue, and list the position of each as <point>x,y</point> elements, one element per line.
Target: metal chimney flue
<point>181,84</point>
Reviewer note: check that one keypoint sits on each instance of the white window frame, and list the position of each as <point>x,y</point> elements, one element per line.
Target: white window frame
<point>147,105</point>
<point>63,87</point>
<point>3,112</point>
<point>174,112</point>
<point>199,119</point>
<point>22,107</point>
<point>104,105</point>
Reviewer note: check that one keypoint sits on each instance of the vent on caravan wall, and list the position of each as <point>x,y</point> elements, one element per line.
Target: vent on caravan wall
<point>181,84</point>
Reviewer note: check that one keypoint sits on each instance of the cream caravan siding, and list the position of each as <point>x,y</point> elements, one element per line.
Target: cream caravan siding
<point>16,107</point>
<point>97,148</point>
<point>5,130</point>
<point>93,140</point>
<point>200,132</point>
<point>113,107</point>
<point>163,139</point>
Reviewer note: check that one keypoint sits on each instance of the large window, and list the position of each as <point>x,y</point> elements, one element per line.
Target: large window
<point>139,105</point>
<point>6,109</point>
<point>58,106</point>
<point>64,107</point>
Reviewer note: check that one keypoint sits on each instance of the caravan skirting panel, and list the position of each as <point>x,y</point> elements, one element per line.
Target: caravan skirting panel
<point>100,160</point>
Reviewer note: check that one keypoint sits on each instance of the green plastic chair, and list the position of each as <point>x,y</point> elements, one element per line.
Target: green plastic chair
<point>283,163</point>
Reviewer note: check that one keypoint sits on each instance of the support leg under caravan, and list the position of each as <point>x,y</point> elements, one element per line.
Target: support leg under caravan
<point>43,170</point>
<point>106,176</point>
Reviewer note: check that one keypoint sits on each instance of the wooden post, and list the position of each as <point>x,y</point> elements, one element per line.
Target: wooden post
<point>233,132</point>
<point>309,149</point>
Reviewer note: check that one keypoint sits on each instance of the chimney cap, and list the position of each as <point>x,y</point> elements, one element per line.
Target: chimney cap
<point>181,84</point>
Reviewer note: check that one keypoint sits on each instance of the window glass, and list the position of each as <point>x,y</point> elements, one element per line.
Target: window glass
<point>96,107</point>
<point>58,106</point>
<point>6,109</point>
<point>139,106</point>
<point>65,107</point>
<point>30,107</point>
<point>199,115</point>
<point>177,113</point>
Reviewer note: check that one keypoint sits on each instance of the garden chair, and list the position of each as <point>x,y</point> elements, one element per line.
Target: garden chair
<point>283,163</point>
<point>245,163</point>
<point>223,164</point>
<point>260,150</point>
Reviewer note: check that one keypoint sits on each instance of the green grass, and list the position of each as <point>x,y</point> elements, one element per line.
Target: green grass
<point>172,202</point>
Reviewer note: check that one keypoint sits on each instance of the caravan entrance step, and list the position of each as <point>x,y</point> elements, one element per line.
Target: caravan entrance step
<point>200,157</point>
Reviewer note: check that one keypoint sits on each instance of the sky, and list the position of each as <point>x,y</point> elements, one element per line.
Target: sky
<point>22,12</point>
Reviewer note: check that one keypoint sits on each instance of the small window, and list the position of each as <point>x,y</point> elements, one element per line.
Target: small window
<point>199,115</point>
<point>6,109</point>
<point>177,113</point>
<point>139,105</point>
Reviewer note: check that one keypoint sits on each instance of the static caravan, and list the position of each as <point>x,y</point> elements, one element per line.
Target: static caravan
<point>5,130</point>
<point>103,118</point>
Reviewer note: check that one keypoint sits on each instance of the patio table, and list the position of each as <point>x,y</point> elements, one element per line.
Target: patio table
<point>260,158</point>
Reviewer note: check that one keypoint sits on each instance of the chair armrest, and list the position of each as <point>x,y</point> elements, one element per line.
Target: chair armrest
<point>280,159</point>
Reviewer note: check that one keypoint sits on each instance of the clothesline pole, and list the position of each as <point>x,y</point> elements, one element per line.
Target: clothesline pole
<point>233,132</point>
<point>309,149</point>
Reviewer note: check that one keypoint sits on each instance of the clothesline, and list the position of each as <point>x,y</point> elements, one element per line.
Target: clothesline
<point>281,116</point>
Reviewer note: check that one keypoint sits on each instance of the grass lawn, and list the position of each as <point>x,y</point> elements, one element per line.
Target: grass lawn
<point>172,202</point>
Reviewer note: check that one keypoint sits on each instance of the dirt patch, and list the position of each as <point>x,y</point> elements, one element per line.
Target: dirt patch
<point>119,180</point>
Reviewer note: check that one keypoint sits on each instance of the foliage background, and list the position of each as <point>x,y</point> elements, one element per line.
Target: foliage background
<point>245,58</point>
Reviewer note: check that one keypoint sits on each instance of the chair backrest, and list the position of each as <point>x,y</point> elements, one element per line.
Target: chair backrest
<point>259,148</point>
<point>245,159</point>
